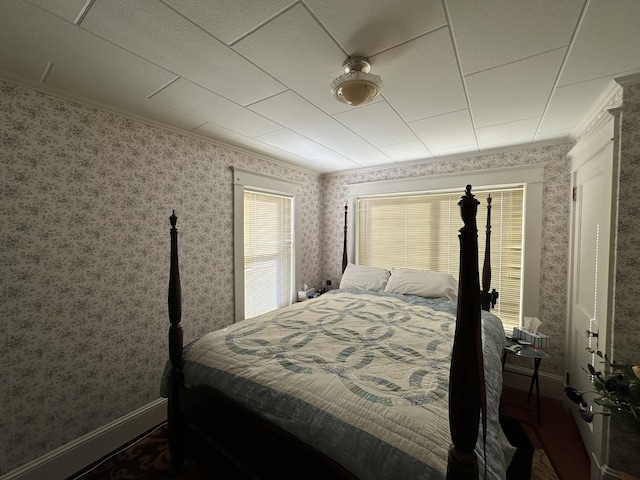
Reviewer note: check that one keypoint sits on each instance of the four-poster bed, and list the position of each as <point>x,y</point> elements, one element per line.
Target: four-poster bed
<point>352,384</point>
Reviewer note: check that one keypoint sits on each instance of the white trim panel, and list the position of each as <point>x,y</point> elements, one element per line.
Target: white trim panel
<point>265,182</point>
<point>451,181</point>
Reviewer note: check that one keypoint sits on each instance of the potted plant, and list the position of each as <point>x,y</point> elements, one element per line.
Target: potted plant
<point>617,391</point>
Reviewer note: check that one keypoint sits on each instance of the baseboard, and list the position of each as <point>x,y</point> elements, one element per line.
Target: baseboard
<point>519,378</point>
<point>65,461</point>
<point>608,473</point>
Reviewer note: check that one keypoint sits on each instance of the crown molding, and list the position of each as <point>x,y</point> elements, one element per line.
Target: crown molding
<point>605,101</point>
<point>456,156</point>
<point>628,80</point>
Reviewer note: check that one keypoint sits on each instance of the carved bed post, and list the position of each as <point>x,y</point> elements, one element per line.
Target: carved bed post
<point>466,380</point>
<point>344,245</point>
<point>488,298</point>
<point>175,352</point>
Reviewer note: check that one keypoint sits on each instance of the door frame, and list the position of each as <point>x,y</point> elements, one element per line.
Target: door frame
<point>604,134</point>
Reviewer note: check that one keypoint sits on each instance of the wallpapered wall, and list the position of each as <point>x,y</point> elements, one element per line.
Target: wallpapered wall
<point>627,295</point>
<point>86,197</point>
<point>623,448</point>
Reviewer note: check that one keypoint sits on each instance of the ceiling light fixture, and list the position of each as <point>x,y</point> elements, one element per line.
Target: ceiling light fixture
<point>356,85</point>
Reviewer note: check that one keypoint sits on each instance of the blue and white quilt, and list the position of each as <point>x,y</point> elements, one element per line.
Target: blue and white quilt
<point>361,376</point>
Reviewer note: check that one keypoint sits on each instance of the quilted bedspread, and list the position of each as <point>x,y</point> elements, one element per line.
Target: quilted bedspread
<point>363,377</point>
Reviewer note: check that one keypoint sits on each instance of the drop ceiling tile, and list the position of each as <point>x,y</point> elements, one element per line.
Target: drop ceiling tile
<point>193,99</point>
<point>229,20</point>
<point>404,152</point>
<point>117,71</point>
<point>299,53</point>
<point>421,78</point>
<point>463,149</point>
<point>168,116</point>
<point>32,38</point>
<point>222,136</point>
<point>66,9</point>
<point>569,105</point>
<point>293,111</point>
<point>515,91</point>
<point>20,52</point>
<point>26,56</point>
<point>367,27</point>
<point>147,27</point>
<point>489,34</point>
<point>146,109</point>
<point>607,44</point>
<point>512,133</point>
<point>448,133</point>
<point>377,123</point>
<point>297,144</point>
<point>560,136</point>
<point>298,115</point>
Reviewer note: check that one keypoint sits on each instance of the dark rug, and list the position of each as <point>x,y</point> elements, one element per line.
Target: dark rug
<point>149,458</point>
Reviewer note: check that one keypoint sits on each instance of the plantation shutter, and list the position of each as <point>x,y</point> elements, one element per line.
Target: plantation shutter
<point>421,231</point>
<point>268,252</point>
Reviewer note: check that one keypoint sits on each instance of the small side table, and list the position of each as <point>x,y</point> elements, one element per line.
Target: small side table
<point>514,348</point>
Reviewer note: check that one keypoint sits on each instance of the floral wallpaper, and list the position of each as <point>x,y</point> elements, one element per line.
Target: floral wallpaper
<point>623,447</point>
<point>627,294</point>
<point>86,196</point>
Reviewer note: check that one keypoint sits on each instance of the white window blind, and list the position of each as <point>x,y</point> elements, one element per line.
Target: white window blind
<point>421,231</point>
<point>268,244</point>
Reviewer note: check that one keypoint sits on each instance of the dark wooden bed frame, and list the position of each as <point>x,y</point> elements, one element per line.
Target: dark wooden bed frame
<point>225,436</point>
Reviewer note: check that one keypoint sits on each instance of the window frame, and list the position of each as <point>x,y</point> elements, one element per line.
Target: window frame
<point>530,176</point>
<point>246,179</point>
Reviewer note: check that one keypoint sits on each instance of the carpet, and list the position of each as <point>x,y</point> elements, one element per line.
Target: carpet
<point>149,458</point>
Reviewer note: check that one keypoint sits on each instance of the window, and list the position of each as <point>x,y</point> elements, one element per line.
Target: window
<point>268,252</point>
<point>386,229</point>
<point>421,231</point>
<point>265,226</point>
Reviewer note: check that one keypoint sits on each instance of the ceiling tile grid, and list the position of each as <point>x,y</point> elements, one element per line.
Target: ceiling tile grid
<point>514,91</point>
<point>458,76</point>
<point>147,27</point>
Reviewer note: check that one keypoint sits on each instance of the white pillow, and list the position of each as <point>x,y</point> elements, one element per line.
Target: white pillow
<point>424,283</point>
<point>362,277</point>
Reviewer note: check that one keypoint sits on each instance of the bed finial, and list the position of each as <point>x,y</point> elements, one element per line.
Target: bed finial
<point>468,209</point>
<point>173,219</point>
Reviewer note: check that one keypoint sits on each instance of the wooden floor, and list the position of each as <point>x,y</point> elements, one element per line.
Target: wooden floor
<point>557,430</point>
